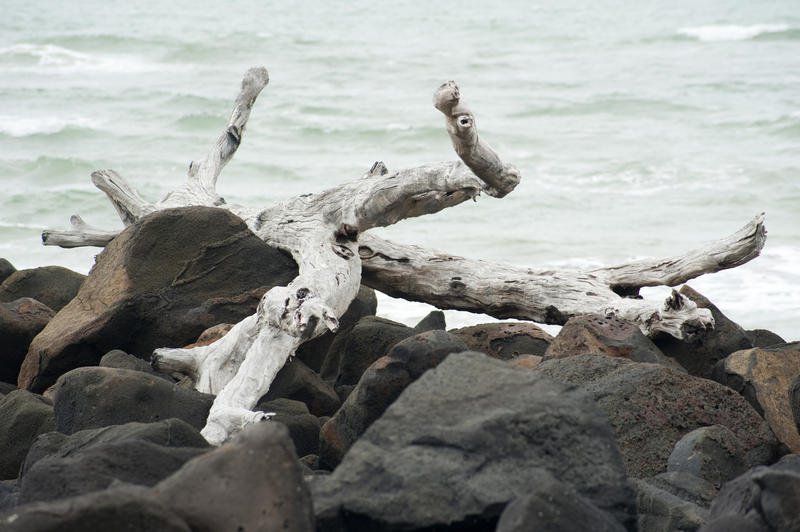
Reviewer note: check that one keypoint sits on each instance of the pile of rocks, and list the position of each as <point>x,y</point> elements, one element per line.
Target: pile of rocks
<point>380,426</point>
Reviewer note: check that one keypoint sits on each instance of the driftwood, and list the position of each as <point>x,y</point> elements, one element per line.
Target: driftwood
<point>323,232</point>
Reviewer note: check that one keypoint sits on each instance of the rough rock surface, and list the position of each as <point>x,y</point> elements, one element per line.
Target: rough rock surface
<point>553,506</point>
<point>303,426</point>
<point>661,511</point>
<point>257,485</point>
<point>685,486</point>
<point>379,386</point>
<point>53,286</point>
<point>699,354</point>
<point>606,335</point>
<point>464,440</point>
<point>60,466</point>
<point>712,453</point>
<point>20,321</point>
<point>794,399</point>
<point>160,283</point>
<point>352,353</point>
<point>6,269</point>
<point>651,406</point>
<point>505,340</point>
<point>94,397</point>
<point>764,338</point>
<point>768,497</point>
<point>297,381</point>
<point>433,321</point>
<point>23,416</point>
<point>119,359</point>
<point>122,508</point>
<point>764,377</point>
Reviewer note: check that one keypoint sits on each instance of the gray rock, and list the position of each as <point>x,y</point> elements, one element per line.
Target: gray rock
<point>253,482</point>
<point>351,354</point>
<point>303,427</point>
<point>651,406</point>
<point>434,321</point>
<point>769,497</point>
<point>699,354</point>
<point>464,440</point>
<point>661,511</point>
<point>379,386</point>
<point>94,397</point>
<point>712,453</point>
<point>686,486</point>
<point>9,492</point>
<point>297,381</point>
<point>20,321</point>
<point>606,335</point>
<point>123,508</point>
<point>121,360</point>
<point>61,466</point>
<point>6,269</point>
<point>764,338</point>
<point>153,287</point>
<point>555,507</point>
<point>53,286</point>
<point>23,416</point>
<point>505,340</point>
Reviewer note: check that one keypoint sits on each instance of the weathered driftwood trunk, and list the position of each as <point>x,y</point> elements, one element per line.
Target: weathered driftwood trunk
<point>323,232</point>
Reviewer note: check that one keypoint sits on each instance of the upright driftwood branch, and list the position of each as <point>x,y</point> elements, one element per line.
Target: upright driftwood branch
<point>323,232</point>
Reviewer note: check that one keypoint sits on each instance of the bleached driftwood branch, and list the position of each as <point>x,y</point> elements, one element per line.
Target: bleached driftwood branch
<point>548,296</point>
<point>321,231</point>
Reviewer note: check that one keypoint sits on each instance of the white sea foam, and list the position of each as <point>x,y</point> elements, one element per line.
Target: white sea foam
<point>23,126</point>
<point>53,58</point>
<point>731,32</point>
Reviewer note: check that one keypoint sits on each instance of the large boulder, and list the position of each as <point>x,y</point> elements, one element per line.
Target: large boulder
<point>303,426</point>
<point>252,482</point>
<point>124,508</point>
<point>700,353</point>
<point>764,377</point>
<point>505,340</point>
<point>661,511</point>
<point>712,453</point>
<point>20,321</point>
<point>605,335</point>
<point>297,381</point>
<point>6,269</point>
<point>60,466</point>
<point>23,416</point>
<point>95,397</point>
<point>160,283</point>
<point>351,353</point>
<point>464,440</point>
<point>379,386</point>
<point>55,286</point>
<point>553,506</point>
<point>651,406</point>
<point>766,497</point>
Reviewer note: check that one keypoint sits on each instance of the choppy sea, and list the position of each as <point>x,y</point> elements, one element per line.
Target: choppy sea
<point>641,129</point>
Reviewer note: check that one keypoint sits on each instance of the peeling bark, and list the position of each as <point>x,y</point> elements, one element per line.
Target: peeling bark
<point>324,234</point>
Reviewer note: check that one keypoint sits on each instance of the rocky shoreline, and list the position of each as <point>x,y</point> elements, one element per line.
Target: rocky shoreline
<point>379,426</point>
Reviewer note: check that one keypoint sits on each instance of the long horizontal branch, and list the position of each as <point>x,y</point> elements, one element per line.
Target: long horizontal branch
<point>548,296</point>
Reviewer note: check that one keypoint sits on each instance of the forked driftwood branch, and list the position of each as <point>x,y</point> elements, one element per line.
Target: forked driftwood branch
<point>323,232</point>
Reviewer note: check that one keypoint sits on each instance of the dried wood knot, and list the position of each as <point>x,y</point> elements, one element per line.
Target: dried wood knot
<point>346,233</point>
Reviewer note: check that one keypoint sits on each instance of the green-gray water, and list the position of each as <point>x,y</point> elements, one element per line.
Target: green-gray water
<point>640,130</point>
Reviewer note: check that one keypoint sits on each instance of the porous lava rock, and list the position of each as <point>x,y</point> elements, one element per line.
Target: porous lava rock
<point>651,406</point>
<point>505,340</point>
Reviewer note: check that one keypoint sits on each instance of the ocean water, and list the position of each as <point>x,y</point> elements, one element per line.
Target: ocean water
<point>640,130</point>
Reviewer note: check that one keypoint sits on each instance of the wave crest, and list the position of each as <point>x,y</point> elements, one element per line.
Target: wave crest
<point>732,32</point>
